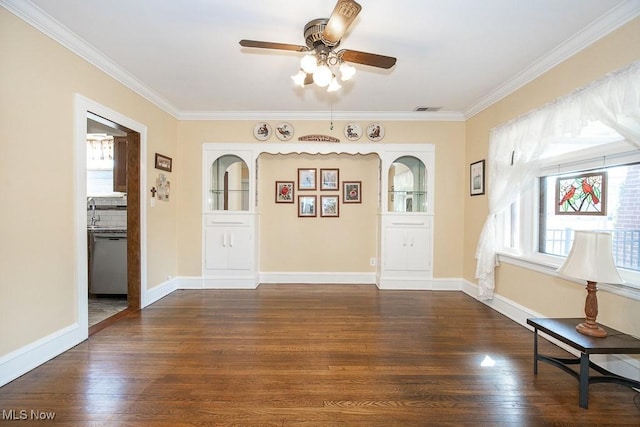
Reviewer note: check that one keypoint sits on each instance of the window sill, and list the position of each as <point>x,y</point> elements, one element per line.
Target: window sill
<point>628,290</point>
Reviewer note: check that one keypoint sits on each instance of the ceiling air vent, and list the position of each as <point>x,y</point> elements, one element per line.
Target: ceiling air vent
<point>429,109</point>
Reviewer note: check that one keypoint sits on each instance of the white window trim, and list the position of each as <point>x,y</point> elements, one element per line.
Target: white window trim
<point>527,256</point>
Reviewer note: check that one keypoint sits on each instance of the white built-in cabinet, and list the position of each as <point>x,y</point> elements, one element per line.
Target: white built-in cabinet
<point>406,218</point>
<point>230,233</point>
<point>229,243</point>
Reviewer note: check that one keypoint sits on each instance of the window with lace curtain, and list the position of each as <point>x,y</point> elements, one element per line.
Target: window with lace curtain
<point>535,228</point>
<point>591,119</point>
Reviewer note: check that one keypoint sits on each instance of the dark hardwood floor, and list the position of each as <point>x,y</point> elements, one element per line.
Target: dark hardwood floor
<point>311,355</point>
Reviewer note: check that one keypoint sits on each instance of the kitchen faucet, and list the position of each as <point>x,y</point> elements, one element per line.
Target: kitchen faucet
<point>91,205</point>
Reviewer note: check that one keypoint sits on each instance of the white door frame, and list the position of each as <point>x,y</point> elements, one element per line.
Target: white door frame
<point>82,106</point>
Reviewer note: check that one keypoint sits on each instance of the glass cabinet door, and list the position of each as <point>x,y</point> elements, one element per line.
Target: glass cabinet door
<point>407,190</point>
<point>229,184</point>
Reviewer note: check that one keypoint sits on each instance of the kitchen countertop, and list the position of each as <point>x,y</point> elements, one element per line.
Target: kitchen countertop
<point>106,229</point>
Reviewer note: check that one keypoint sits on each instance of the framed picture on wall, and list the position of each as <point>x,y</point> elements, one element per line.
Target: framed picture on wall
<point>351,192</point>
<point>476,175</point>
<point>284,191</point>
<point>163,162</point>
<point>307,206</point>
<point>306,179</point>
<point>329,179</point>
<point>329,206</point>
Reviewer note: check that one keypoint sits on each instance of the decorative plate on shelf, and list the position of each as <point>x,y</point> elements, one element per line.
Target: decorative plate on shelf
<point>262,131</point>
<point>284,131</point>
<point>375,132</point>
<point>353,131</point>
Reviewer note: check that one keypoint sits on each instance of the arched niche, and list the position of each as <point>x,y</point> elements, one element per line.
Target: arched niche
<point>229,184</point>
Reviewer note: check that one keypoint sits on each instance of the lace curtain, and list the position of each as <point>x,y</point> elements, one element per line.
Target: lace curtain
<point>515,148</point>
<point>99,147</point>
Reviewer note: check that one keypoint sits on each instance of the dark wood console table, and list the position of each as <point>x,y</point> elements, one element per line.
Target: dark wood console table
<point>564,330</point>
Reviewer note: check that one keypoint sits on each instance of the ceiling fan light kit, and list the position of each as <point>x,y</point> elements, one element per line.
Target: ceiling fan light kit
<point>322,63</point>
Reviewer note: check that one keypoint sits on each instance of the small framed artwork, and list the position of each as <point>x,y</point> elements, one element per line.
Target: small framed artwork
<point>329,206</point>
<point>329,179</point>
<point>351,192</point>
<point>307,206</point>
<point>163,162</point>
<point>476,177</point>
<point>163,187</point>
<point>584,194</point>
<point>306,179</point>
<point>284,191</point>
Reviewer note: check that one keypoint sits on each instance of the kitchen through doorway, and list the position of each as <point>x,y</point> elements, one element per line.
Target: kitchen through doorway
<point>113,221</point>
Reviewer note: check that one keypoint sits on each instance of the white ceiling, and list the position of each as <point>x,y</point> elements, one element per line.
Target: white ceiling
<point>460,55</point>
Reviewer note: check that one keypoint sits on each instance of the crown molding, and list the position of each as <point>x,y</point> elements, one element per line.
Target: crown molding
<point>37,18</point>
<point>604,25</point>
<point>441,116</point>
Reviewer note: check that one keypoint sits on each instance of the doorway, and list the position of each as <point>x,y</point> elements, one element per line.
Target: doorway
<point>132,136</point>
<point>112,180</point>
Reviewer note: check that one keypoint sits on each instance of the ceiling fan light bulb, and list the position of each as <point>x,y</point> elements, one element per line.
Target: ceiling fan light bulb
<point>309,63</point>
<point>298,79</point>
<point>334,86</point>
<point>322,76</point>
<point>347,71</point>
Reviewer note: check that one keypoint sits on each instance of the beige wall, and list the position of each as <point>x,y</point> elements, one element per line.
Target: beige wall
<point>448,138</point>
<point>542,293</point>
<point>38,81</point>
<point>292,244</point>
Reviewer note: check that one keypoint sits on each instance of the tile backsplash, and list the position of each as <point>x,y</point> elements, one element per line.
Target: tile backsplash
<point>112,211</point>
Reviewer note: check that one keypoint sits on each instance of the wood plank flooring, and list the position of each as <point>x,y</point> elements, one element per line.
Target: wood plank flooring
<point>311,355</point>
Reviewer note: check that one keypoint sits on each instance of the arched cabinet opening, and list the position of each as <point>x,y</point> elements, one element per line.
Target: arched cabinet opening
<point>407,190</point>
<point>229,184</point>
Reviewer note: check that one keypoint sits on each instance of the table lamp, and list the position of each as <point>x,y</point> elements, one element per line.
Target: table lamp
<point>591,259</point>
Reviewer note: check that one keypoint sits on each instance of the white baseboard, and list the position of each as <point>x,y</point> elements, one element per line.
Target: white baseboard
<point>319,278</point>
<point>24,359</point>
<point>408,284</point>
<point>230,283</point>
<point>160,291</point>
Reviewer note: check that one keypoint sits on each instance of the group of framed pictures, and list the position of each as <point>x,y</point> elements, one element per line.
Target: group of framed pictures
<point>326,180</point>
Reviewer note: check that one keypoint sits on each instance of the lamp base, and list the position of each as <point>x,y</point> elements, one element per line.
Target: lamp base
<point>591,330</point>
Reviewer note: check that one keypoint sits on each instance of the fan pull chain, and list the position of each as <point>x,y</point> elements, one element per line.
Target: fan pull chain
<point>331,124</point>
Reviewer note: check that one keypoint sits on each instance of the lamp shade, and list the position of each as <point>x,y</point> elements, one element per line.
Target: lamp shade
<point>591,258</point>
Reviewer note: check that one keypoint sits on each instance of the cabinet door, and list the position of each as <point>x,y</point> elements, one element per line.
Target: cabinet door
<point>215,248</point>
<point>120,164</point>
<point>395,257</point>
<point>418,249</point>
<point>240,253</point>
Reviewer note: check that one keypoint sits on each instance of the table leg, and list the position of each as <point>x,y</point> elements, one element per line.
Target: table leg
<point>535,351</point>
<point>584,380</point>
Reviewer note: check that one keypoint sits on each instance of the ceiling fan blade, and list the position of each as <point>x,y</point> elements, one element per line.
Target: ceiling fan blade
<point>341,18</point>
<point>365,58</point>
<point>270,45</point>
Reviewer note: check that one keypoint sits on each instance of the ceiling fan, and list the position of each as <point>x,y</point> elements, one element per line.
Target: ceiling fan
<point>322,37</point>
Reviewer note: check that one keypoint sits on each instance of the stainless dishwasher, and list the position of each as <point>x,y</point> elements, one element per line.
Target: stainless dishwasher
<point>108,255</point>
